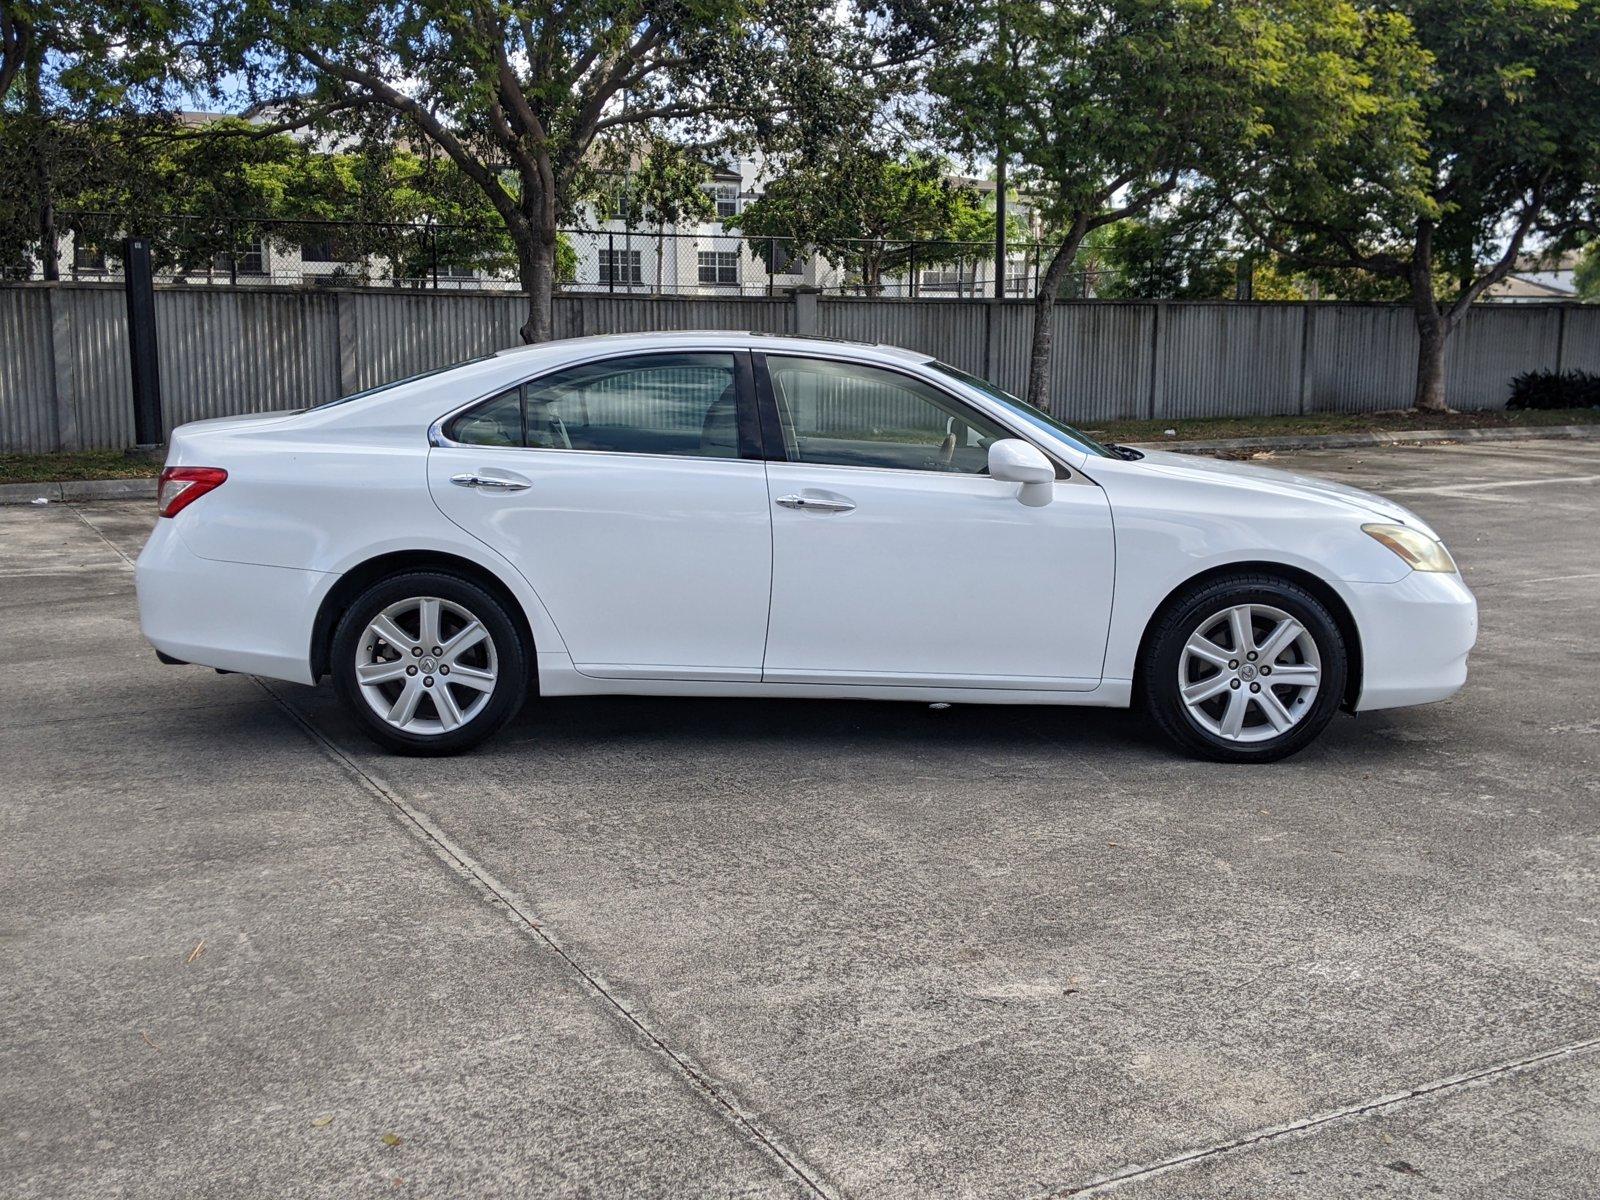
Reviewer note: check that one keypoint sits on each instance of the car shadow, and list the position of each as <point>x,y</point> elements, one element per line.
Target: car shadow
<point>653,726</point>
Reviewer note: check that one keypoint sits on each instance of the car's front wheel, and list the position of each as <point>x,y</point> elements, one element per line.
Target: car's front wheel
<point>429,663</point>
<point>1247,668</point>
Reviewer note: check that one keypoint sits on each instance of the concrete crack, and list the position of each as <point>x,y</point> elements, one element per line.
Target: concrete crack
<point>1482,1075</point>
<point>499,895</point>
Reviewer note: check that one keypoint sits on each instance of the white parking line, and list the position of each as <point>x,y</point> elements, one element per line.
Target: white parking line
<point>1561,578</point>
<point>1454,489</point>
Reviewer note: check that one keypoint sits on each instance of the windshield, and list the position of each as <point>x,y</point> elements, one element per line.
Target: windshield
<point>394,383</point>
<point>1024,411</point>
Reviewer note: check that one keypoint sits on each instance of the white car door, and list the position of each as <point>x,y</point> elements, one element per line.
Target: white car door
<point>630,493</point>
<point>897,560</point>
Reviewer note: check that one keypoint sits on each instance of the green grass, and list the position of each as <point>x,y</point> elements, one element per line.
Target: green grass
<point>1315,423</point>
<point>83,464</point>
<point>113,464</point>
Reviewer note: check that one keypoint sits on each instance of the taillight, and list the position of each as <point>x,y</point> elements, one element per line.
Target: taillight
<point>182,486</point>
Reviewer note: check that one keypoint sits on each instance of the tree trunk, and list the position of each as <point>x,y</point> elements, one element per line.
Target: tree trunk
<point>538,271</point>
<point>1433,326</point>
<point>1044,304</point>
<point>1432,331</point>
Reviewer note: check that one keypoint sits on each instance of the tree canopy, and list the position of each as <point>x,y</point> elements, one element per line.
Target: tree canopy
<point>518,93</point>
<point>1479,138</point>
<point>869,212</point>
<point>1108,109</point>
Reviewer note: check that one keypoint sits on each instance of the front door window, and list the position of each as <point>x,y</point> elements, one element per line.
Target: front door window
<point>852,415</point>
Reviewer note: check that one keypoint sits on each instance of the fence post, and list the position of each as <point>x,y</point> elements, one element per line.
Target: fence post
<point>990,308</point>
<point>63,371</point>
<point>804,300</point>
<point>911,263</point>
<point>1158,360</point>
<point>1561,338</point>
<point>139,286</point>
<point>349,362</point>
<point>1307,350</point>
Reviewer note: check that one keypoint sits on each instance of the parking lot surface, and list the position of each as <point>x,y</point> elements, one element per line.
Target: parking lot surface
<point>714,948</point>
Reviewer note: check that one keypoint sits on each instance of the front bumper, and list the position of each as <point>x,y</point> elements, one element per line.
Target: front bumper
<point>232,616</point>
<point>1415,635</point>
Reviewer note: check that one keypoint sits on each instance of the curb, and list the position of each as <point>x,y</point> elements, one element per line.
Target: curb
<point>1397,437</point>
<point>78,489</point>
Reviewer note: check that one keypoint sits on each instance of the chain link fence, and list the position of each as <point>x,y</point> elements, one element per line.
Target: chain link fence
<point>617,259</point>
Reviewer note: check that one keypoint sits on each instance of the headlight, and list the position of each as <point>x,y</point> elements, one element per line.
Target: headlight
<point>1421,552</point>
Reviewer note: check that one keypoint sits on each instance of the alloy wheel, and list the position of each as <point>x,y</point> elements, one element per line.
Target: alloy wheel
<point>1249,673</point>
<point>426,665</point>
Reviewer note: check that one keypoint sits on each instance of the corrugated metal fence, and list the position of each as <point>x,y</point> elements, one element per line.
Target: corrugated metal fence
<point>64,363</point>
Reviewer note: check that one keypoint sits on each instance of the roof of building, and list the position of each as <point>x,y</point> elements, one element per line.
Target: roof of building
<point>1520,287</point>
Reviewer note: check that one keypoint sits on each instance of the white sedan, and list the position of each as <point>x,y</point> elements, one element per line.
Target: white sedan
<point>730,514</point>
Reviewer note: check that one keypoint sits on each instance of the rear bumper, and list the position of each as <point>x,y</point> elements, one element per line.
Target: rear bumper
<point>1415,636</point>
<point>233,616</point>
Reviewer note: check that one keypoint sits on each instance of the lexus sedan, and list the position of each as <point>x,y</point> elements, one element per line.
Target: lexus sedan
<point>732,514</point>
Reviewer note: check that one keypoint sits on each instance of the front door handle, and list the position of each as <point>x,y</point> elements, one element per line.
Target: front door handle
<point>834,504</point>
<point>492,483</point>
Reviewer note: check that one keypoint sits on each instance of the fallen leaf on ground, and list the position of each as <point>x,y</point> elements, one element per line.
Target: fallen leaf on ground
<point>390,1139</point>
<point>323,1121</point>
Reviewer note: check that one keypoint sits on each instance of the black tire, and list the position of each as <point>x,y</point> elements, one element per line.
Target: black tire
<point>511,658</point>
<point>1197,610</point>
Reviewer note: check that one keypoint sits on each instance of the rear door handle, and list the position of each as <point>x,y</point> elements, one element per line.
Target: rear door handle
<point>833,504</point>
<point>506,482</point>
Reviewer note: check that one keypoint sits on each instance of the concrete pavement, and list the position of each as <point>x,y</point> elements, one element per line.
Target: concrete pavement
<point>641,947</point>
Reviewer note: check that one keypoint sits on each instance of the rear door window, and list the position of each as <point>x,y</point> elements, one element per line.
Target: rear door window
<point>678,404</point>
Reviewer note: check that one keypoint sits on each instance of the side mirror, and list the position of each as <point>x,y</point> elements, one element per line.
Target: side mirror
<point>1012,460</point>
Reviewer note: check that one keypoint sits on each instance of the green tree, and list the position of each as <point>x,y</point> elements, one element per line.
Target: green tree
<point>206,194</point>
<point>1587,275</point>
<point>1483,136</point>
<point>1107,110</point>
<point>18,20</point>
<point>873,214</point>
<point>1178,257</point>
<point>516,93</point>
<point>661,183</point>
<point>66,67</point>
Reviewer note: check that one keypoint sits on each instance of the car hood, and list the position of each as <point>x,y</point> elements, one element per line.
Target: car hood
<point>1270,480</point>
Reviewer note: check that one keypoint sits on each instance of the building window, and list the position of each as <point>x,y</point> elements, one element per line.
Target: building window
<point>944,279</point>
<point>87,257</point>
<point>719,266</point>
<point>323,248</point>
<point>621,266</point>
<point>727,196</point>
<point>252,260</point>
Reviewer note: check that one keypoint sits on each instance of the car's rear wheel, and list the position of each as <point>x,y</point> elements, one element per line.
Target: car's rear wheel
<point>429,663</point>
<point>1247,668</point>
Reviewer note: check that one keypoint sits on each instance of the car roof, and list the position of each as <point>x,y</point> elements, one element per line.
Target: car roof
<point>737,339</point>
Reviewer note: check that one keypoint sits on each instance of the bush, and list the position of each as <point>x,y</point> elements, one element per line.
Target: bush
<point>1555,389</point>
